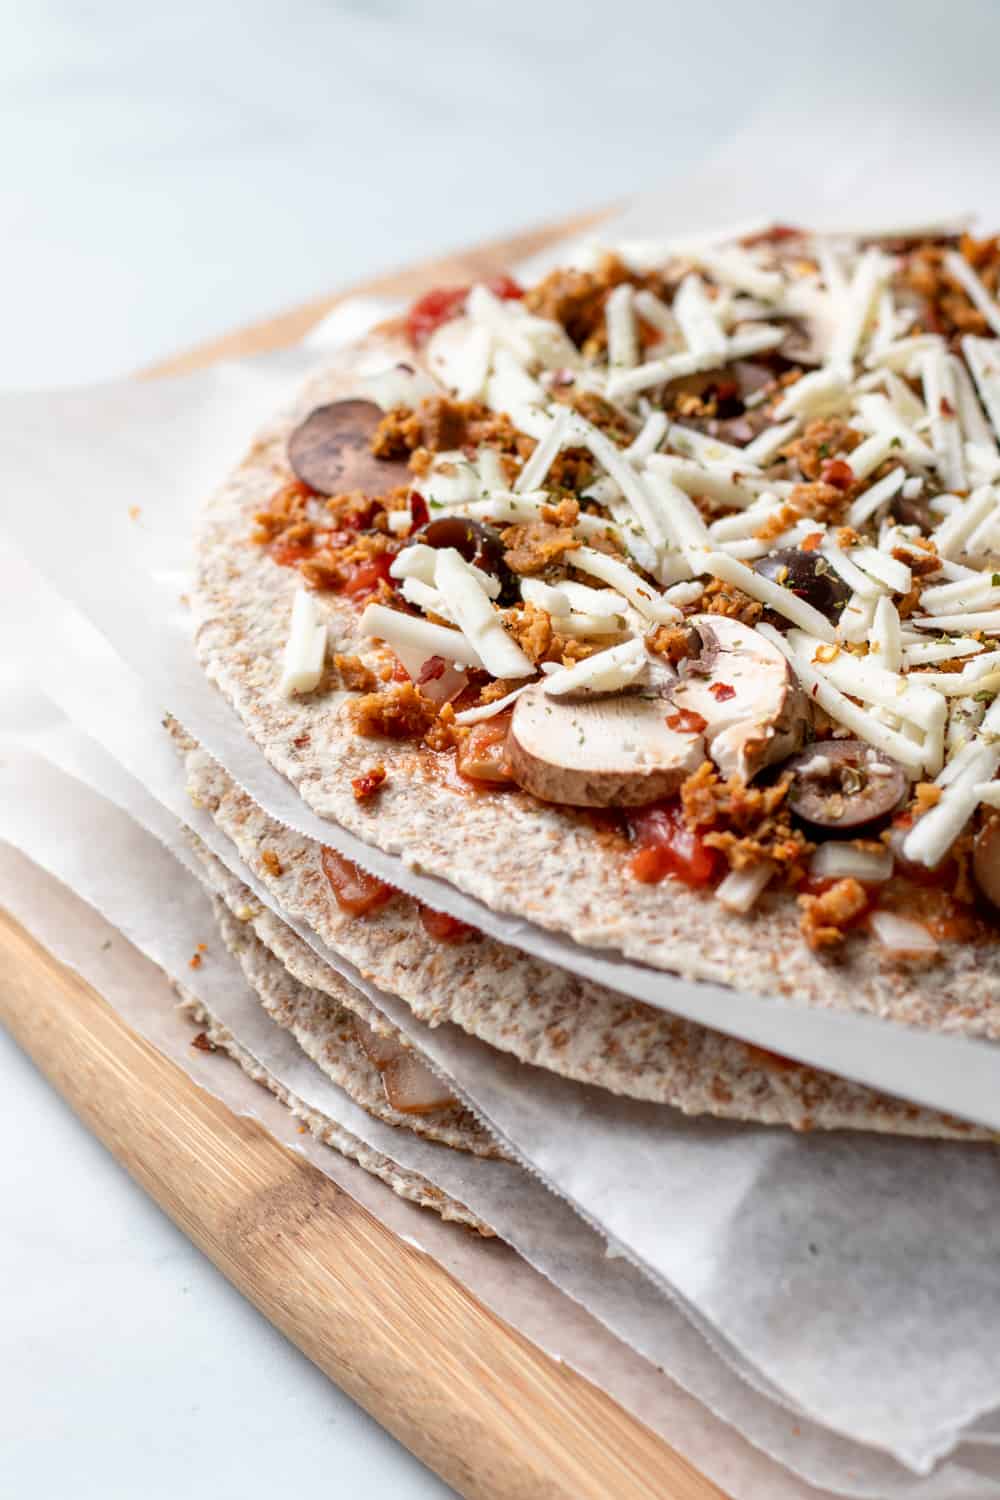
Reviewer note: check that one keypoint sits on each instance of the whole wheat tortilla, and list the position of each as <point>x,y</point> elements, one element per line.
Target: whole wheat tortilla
<point>521,857</point>
<point>409,1185</point>
<point>517,1003</point>
<point>323,1026</point>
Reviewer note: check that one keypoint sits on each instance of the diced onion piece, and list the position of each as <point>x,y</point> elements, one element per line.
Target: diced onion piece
<point>719,565</point>
<point>415,640</point>
<point>305,651</point>
<point>739,890</point>
<point>845,861</point>
<point>605,672</point>
<point>476,617</point>
<point>902,937</point>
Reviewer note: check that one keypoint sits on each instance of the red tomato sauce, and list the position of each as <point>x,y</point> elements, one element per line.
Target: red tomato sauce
<point>445,929</point>
<point>356,892</point>
<point>667,847</point>
<point>446,302</point>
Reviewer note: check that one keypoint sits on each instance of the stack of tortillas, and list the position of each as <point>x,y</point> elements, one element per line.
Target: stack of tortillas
<point>510,852</point>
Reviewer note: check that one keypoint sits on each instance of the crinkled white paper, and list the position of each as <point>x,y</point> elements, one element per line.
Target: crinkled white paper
<point>137,884</point>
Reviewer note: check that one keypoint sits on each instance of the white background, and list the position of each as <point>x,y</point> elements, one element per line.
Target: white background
<point>168,171</point>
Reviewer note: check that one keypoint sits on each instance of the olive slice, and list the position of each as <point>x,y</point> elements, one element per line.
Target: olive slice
<point>479,543</point>
<point>986,861</point>
<point>844,783</point>
<point>808,575</point>
<point>331,451</point>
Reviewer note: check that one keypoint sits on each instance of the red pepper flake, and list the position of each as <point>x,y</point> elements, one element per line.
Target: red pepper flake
<point>687,721</point>
<point>432,669</point>
<point>194,962</point>
<point>811,542</point>
<point>838,473</point>
<point>945,407</point>
<point>368,783</point>
<point>302,740</point>
<point>203,1042</point>
<point>722,692</point>
<point>419,514</point>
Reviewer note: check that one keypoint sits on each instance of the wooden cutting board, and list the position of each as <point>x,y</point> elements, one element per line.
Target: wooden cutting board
<point>477,1402</point>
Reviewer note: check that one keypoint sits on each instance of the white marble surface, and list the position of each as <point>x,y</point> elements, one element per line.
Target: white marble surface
<point>172,170</point>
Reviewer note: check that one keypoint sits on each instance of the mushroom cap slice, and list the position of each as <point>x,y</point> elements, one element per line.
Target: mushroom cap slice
<point>599,752</point>
<point>755,713</point>
<point>331,451</point>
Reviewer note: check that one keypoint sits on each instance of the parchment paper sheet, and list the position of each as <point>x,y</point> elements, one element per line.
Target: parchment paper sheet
<point>163,452</point>
<point>161,446</point>
<point>136,880</point>
<point>113,702</point>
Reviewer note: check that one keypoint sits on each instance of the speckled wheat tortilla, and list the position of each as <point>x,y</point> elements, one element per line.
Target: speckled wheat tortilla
<point>406,1184</point>
<point>519,1004</point>
<point>324,1030</point>
<point>515,854</point>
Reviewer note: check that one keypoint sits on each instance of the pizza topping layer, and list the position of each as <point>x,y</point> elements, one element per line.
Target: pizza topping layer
<point>722,515</point>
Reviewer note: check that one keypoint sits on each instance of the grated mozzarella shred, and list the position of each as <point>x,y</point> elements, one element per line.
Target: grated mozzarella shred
<point>305,650</point>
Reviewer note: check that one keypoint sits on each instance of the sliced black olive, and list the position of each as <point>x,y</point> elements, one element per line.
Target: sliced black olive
<point>986,861</point>
<point>331,451</point>
<point>479,543</point>
<point>844,783</point>
<point>914,511</point>
<point>809,575</point>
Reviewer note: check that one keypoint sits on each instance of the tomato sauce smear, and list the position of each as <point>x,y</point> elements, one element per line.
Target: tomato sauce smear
<point>444,928</point>
<point>668,848</point>
<point>356,892</point>
<point>446,302</point>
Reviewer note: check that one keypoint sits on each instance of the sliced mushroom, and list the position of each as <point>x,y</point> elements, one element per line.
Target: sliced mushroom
<point>599,752</point>
<point>743,689</point>
<point>986,861</point>
<point>844,783</point>
<point>331,451</point>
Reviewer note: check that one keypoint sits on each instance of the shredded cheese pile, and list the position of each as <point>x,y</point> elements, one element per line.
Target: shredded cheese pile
<point>684,508</point>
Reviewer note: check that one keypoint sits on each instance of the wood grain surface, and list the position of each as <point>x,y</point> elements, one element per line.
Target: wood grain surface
<point>477,1402</point>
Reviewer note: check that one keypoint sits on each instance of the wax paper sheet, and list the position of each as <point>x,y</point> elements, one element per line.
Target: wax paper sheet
<point>137,882</point>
